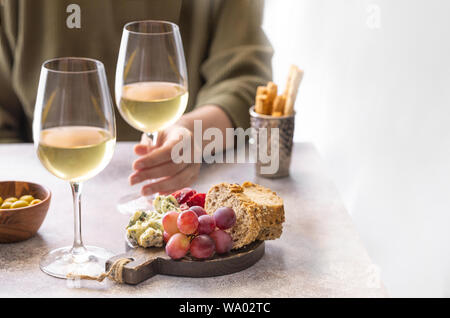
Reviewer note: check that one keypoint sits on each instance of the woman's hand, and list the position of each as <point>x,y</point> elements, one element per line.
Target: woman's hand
<point>155,163</point>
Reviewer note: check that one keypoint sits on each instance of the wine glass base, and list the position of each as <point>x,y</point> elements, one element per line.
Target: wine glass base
<point>61,262</point>
<point>133,202</point>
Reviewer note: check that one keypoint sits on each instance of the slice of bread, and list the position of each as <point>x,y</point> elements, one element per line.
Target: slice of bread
<point>259,211</point>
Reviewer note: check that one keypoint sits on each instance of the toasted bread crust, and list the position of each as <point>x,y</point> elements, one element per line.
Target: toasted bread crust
<point>259,211</point>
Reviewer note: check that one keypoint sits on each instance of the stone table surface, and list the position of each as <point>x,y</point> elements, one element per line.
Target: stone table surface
<point>319,254</point>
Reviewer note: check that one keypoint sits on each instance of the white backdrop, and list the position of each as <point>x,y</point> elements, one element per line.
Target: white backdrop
<point>375,100</point>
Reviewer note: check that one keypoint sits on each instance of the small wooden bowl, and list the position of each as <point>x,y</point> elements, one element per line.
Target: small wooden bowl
<point>22,223</point>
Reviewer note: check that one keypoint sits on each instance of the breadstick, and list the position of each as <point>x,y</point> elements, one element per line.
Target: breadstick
<point>278,104</point>
<point>271,94</point>
<point>264,106</point>
<point>259,103</point>
<point>261,90</point>
<point>289,79</point>
<point>267,105</point>
<point>277,114</point>
<point>292,90</point>
<point>272,89</point>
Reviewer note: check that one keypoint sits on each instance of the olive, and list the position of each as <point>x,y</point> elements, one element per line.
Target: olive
<point>35,201</point>
<point>6,205</point>
<point>19,204</point>
<point>27,198</point>
<point>11,199</point>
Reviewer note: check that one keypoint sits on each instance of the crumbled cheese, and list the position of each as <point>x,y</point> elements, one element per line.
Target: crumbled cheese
<point>145,229</point>
<point>164,204</point>
<point>151,237</point>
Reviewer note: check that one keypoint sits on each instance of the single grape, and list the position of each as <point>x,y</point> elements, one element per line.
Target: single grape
<point>222,240</point>
<point>206,224</point>
<point>169,222</point>
<point>177,246</point>
<point>225,218</point>
<point>202,246</point>
<point>187,222</point>
<point>198,210</point>
<point>166,237</point>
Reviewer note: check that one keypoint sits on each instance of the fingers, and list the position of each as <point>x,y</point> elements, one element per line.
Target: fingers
<point>182,179</point>
<point>154,158</point>
<point>140,149</point>
<point>166,169</point>
<point>155,162</point>
<point>145,146</point>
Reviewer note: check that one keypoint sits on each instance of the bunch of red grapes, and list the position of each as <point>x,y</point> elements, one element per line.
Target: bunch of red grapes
<point>193,230</point>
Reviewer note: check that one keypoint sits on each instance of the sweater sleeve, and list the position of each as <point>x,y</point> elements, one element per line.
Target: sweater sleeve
<point>239,59</point>
<point>11,112</point>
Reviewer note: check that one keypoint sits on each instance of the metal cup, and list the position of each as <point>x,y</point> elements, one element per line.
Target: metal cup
<point>272,142</point>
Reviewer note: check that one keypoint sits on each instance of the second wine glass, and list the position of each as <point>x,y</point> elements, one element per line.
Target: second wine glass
<point>151,84</point>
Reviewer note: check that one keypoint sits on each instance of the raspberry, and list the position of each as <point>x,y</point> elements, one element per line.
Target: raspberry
<point>197,199</point>
<point>184,195</point>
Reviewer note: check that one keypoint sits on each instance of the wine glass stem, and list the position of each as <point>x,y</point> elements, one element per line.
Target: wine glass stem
<point>153,137</point>
<point>78,246</point>
<point>154,141</point>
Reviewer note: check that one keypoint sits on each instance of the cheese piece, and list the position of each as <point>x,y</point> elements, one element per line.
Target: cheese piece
<point>151,237</point>
<point>164,204</point>
<point>145,229</point>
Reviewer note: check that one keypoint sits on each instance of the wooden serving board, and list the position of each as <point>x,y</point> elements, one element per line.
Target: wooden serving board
<point>147,262</point>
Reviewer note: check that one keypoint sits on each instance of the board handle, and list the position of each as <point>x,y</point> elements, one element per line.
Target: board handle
<point>143,266</point>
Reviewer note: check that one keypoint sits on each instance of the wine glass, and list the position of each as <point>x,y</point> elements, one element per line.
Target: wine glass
<point>74,135</point>
<point>151,85</point>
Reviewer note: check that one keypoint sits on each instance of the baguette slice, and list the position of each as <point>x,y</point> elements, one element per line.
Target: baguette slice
<point>259,211</point>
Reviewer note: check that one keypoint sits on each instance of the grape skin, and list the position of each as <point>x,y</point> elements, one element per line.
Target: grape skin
<point>169,222</point>
<point>223,241</point>
<point>178,246</point>
<point>187,222</point>
<point>206,224</point>
<point>198,210</point>
<point>225,218</point>
<point>202,247</point>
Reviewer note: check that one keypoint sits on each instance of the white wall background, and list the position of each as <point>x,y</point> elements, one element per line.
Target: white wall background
<point>375,100</point>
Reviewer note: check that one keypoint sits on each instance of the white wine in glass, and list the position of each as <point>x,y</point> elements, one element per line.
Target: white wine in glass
<point>151,84</point>
<point>74,134</point>
<point>152,106</point>
<point>75,153</point>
